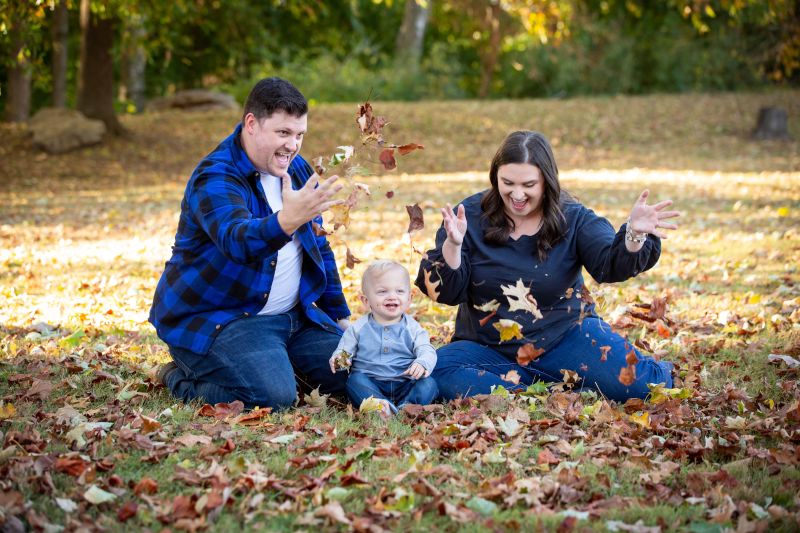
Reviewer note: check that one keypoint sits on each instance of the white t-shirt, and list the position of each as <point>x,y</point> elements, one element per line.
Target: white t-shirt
<point>285,291</point>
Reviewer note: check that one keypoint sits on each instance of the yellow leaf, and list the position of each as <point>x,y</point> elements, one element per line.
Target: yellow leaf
<point>643,419</point>
<point>660,394</point>
<point>508,329</point>
<point>7,410</point>
<point>371,405</point>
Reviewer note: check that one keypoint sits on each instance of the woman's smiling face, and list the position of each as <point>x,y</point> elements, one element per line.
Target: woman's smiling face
<point>521,186</point>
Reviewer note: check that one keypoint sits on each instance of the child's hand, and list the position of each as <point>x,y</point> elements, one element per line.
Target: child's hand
<point>340,361</point>
<point>416,371</point>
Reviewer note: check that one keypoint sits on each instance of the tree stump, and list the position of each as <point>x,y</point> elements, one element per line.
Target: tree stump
<point>773,123</point>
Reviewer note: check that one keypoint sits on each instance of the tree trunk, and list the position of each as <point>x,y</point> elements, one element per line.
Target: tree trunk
<point>490,55</point>
<point>410,38</point>
<point>60,33</point>
<point>134,63</point>
<point>18,104</point>
<point>96,79</point>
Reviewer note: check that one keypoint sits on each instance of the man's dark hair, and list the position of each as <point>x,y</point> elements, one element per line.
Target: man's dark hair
<point>275,94</point>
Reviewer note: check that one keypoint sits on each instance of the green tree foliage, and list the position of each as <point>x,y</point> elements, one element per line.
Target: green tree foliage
<point>344,49</point>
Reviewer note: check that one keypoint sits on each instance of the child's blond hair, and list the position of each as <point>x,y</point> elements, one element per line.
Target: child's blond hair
<point>378,267</point>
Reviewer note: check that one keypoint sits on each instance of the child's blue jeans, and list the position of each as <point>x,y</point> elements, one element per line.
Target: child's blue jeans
<point>421,391</point>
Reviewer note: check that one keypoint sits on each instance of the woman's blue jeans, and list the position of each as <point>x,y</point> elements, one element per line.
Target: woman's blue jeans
<point>259,360</point>
<point>465,368</point>
<point>361,386</point>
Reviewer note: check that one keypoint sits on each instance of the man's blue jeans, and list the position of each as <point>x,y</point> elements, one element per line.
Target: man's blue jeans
<point>465,368</point>
<point>421,391</point>
<point>259,360</point>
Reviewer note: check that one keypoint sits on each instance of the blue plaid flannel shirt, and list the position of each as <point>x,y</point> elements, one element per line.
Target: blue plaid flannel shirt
<point>225,252</point>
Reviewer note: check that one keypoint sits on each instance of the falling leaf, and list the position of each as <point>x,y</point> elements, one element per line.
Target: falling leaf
<point>604,353</point>
<point>386,158</point>
<point>511,376</point>
<point>485,320</point>
<point>341,216</point>
<point>570,376</point>
<point>662,330</point>
<point>488,307</point>
<point>416,221</point>
<point>508,329</point>
<point>627,375</point>
<point>631,357</point>
<point>430,286</point>
<point>389,194</point>
<point>569,292</point>
<point>319,231</point>
<point>520,299</point>
<point>351,260</point>
<point>318,165</point>
<point>95,495</point>
<point>408,148</point>
<point>527,353</point>
<point>344,154</point>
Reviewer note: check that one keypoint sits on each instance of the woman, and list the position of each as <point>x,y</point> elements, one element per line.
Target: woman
<point>511,258</point>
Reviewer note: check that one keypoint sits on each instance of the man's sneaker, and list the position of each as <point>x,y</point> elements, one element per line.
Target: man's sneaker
<point>164,371</point>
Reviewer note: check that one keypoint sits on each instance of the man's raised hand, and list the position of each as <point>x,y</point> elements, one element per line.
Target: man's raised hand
<point>304,204</point>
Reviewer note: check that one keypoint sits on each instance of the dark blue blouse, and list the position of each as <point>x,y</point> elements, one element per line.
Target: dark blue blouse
<point>556,283</point>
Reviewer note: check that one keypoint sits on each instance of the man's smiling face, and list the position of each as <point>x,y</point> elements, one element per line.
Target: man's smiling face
<point>274,141</point>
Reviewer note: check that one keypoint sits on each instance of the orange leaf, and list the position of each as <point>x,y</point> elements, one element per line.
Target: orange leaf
<point>511,376</point>
<point>627,375</point>
<point>527,353</point>
<point>408,148</point>
<point>146,485</point>
<point>631,358</point>
<point>430,286</point>
<point>604,352</point>
<point>662,330</point>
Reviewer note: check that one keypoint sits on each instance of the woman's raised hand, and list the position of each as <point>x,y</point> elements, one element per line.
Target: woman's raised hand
<point>455,224</point>
<point>650,218</point>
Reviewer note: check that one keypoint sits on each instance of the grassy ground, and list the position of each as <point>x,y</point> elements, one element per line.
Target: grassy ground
<point>89,439</point>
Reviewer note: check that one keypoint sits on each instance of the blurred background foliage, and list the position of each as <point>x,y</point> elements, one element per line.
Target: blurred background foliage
<point>348,50</point>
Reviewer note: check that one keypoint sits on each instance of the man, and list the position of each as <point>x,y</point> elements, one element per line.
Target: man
<point>251,297</point>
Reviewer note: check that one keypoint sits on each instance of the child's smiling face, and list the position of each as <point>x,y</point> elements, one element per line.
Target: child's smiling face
<point>388,295</point>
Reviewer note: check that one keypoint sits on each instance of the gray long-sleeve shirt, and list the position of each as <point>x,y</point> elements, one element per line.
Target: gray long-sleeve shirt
<point>386,351</point>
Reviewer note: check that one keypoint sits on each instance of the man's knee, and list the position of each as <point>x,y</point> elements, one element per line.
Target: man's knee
<point>271,395</point>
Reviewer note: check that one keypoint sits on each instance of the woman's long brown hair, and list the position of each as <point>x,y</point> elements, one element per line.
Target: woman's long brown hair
<point>533,148</point>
